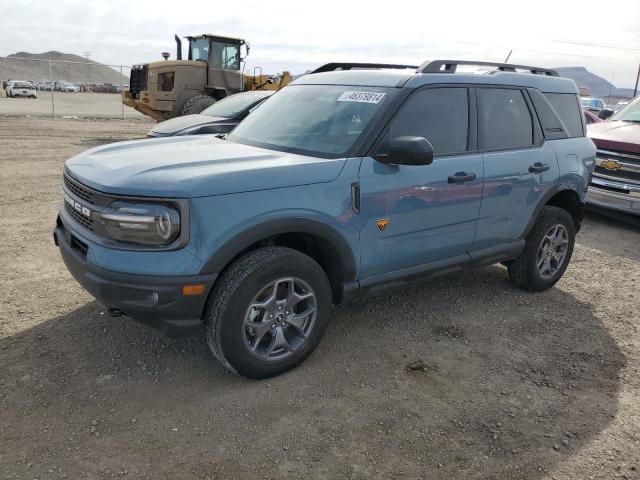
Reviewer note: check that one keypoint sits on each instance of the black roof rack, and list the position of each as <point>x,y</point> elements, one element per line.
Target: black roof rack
<point>330,67</point>
<point>449,66</point>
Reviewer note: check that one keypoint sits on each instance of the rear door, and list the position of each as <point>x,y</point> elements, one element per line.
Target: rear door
<point>519,167</point>
<point>416,215</point>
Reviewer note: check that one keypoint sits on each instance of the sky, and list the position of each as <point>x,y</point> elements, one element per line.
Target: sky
<point>299,35</point>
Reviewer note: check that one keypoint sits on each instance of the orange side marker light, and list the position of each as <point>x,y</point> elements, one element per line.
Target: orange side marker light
<point>193,289</point>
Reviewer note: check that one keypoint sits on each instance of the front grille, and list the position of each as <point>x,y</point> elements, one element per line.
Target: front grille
<point>83,220</point>
<point>611,189</point>
<point>618,174</point>
<point>628,165</point>
<point>78,189</point>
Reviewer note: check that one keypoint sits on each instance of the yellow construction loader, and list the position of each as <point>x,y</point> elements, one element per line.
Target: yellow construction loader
<point>213,70</point>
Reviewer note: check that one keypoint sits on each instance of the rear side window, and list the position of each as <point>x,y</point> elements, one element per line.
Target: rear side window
<point>441,115</point>
<point>504,119</point>
<point>568,109</point>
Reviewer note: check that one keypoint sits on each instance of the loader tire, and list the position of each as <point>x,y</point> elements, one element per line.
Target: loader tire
<point>197,103</point>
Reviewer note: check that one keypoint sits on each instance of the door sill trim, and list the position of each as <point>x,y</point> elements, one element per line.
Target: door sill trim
<point>404,277</point>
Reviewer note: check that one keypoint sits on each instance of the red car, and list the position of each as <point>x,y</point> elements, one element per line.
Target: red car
<point>616,176</point>
<point>590,118</point>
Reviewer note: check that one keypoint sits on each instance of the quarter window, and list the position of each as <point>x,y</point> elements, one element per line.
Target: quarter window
<point>568,109</point>
<point>504,120</point>
<point>441,115</point>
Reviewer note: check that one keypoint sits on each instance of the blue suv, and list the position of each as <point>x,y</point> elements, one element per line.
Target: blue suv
<point>352,180</point>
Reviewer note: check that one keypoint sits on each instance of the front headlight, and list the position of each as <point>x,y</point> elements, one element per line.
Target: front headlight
<point>142,223</point>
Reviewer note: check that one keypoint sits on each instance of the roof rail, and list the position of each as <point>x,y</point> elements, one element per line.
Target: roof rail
<point>449,66</point>
<point>330,67</point>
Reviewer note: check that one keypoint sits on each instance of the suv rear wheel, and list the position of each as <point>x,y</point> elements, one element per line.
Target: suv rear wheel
<point>268,312</point>
<point>547,252</point>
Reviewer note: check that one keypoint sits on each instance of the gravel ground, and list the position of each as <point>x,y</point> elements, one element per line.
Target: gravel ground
<point>462,377</point>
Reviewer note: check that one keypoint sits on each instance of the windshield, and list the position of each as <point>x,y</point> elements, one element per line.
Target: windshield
<point>590,102</point>
<point>630,113</point>
<point>231,106</point>
<point>22,85</point>
<point>324,120</point>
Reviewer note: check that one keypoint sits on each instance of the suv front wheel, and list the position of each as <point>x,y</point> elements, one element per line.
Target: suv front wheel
<point>268,312</point>
<point>548,249</point>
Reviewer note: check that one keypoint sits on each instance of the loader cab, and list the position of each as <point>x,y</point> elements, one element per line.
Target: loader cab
<point>224,57</point>
<point>220,52</point>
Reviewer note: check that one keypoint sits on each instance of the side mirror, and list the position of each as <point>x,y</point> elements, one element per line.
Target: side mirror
<point>405,151</point>
<point>605,113</point>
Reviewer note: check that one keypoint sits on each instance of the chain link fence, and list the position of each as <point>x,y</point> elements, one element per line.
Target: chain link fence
<point>65,88</point>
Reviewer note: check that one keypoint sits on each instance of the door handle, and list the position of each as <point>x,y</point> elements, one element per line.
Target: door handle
<point>539,167</point>
<point>462,177</point>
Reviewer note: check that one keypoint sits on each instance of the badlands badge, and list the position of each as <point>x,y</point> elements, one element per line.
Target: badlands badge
<point>382,224</point>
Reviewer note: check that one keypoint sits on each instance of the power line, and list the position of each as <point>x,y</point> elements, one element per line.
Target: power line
<point>602,45</point>
<point>515,50</point>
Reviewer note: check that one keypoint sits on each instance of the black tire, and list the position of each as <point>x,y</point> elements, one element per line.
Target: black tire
<point>197,103</point>
<point>231,298</point>
<point>524,271</point>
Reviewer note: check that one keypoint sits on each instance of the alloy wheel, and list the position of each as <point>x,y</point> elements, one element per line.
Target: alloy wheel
<point>280,319</point>
<point>553,251</point>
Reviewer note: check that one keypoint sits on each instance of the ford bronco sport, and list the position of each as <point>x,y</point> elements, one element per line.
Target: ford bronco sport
<point>352,180</point>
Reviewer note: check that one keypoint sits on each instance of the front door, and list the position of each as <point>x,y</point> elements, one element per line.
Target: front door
<point>415,215</point>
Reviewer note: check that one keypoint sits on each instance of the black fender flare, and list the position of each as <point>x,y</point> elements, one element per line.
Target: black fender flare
<point>240,242</point>
<point>548,195</point>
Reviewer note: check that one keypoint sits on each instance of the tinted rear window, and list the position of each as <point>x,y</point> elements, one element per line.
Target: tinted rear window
<point>504,120</point>
<point>568,109</point>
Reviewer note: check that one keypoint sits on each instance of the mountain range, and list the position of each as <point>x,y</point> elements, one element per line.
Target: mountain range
<point>598,86</point>
<point>86,71</point>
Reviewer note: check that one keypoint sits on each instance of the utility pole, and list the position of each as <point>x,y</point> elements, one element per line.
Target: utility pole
<point>635,89</point>
<point>87,55</point>
<point>53,106</point>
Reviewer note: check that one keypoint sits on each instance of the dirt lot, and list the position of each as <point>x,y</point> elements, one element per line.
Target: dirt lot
<point>515,385</point>
<point>97,105</point>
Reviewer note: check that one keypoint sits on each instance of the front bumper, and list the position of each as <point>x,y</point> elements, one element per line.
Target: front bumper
<point>622,197</point>
<point>157,301</point>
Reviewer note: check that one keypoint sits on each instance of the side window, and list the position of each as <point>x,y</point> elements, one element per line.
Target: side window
<point>441,115</point>
<point>568,109</point>
<point>504,120</point>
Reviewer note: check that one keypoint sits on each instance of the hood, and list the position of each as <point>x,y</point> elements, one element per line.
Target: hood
<point>617,135</point>
<point>195,166</point>
<point>169,127</point>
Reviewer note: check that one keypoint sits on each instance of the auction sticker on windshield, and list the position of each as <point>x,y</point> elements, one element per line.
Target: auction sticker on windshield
<point>362,97</point>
